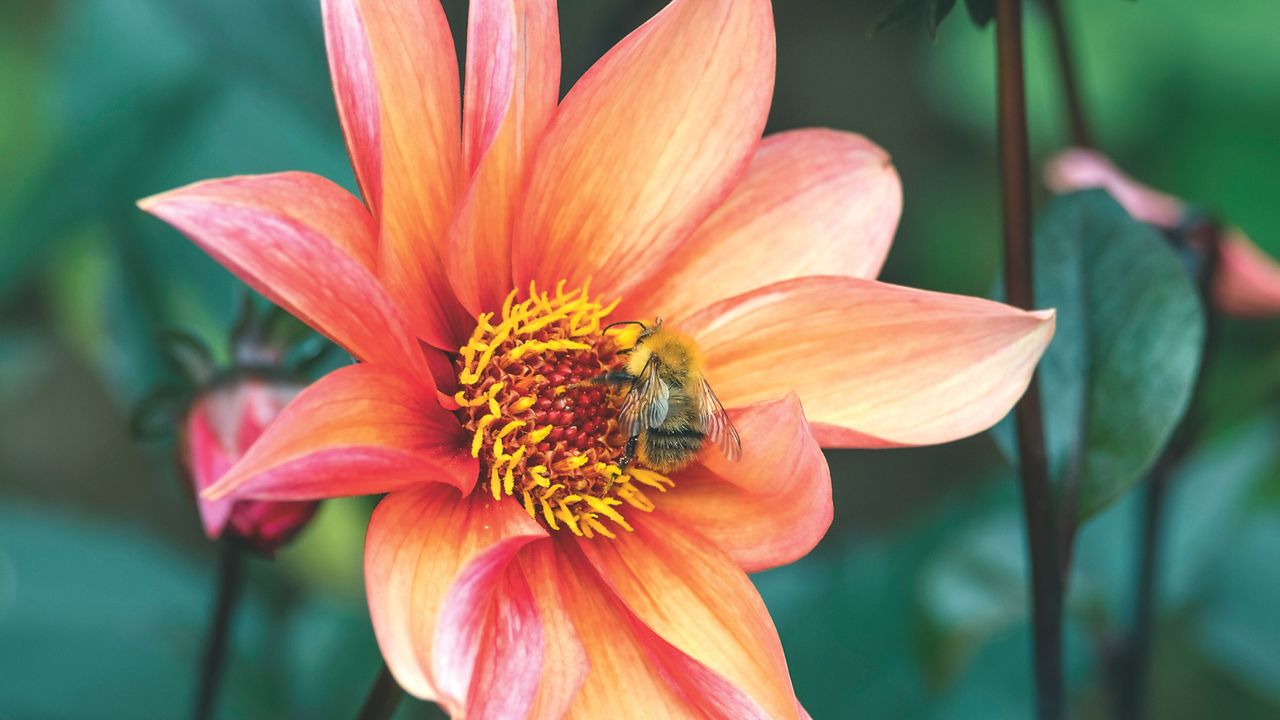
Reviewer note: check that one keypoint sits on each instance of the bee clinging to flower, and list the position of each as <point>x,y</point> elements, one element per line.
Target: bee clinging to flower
<point>669,411</point>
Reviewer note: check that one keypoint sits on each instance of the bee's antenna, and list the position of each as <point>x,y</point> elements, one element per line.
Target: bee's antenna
<point>623,322</point>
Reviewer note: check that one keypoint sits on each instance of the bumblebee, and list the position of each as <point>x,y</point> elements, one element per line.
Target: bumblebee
<point>669,411</point>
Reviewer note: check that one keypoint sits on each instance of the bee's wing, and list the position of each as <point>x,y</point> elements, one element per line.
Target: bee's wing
<point>647,402</point>
<point>719,428</point>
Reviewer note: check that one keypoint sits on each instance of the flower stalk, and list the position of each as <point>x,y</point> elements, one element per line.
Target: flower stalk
<point>1046,577</point>
<point>384,697</point>
<point>230,580</point>
<point>1077,121</point>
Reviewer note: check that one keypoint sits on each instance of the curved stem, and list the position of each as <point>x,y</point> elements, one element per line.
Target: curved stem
<point>1134,653</point>
<point>1077,121</point>
<point>230,566</point>
<point>1042,537</point>
<point>384,697</point>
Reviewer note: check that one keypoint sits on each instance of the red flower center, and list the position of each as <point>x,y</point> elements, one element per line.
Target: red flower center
<point>546,434</point>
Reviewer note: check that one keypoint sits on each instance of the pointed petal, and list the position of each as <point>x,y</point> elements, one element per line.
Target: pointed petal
<point>702,605</point>
<point>773,505</point>
<point>623,680</point>
<point>395,76</point>
<point>646,144</point>
<point>305,244</point>
<point>513,81</point>
<point>1247,280</point>
<point>875,365</point>
<point>1081,169</point>
<point>362,429</point>
<point>814,202</point>
<point>487,660</point>
<point>420,540</point>
<point>562,649</point>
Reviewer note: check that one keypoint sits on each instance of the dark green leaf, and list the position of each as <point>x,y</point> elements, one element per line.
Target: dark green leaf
<point>938,11</point>
<point>981,11</point>
<point>897,12</point>
<point>1130,331</point>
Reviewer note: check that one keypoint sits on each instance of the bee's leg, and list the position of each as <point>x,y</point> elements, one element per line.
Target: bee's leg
<point>629,455</point>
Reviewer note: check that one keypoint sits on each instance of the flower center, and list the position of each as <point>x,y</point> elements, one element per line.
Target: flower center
<point>543,426</point>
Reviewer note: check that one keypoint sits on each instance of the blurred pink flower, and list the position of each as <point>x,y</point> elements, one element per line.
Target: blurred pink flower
<point>221,424</point>
<point>1247,280</point>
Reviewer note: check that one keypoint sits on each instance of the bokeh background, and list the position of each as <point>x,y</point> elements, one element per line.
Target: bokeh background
<point>914,604</point>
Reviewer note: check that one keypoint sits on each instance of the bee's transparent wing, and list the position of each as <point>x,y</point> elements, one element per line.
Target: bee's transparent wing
<point>719,429</point>
<point>647,402</point>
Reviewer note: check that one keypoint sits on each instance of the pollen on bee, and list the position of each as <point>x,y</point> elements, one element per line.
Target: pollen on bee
<point>542,424</point>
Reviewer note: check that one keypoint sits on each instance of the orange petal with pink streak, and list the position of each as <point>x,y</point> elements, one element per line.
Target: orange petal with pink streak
<point>716,637</point>
<point>1247,281</point>
<point>875,365</point>
<point>773,505</point>
<point>421,540</point>
<point>304,243</point>
<point>814,202</point>
<point>395,76</point>
<point>359,430</point>
<point>1081,169</point>
<point>513,81</point>
<point>646,145</point>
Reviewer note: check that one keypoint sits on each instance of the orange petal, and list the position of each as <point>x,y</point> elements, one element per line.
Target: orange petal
<point>304,243</point>
<point>513,81</point>
<point>703,607</point>
<point>1081,169</point>
<point>875,365</point>
<point>563,653</point>
<point>624,680</point>
<point>814,202</point>
<point>646,145</point>
<point>773,505</point>
<point>362,429</point>
<point>420,540</point>
<point>487,660</point>
<point>395,76</point>
<point>1247,280</point>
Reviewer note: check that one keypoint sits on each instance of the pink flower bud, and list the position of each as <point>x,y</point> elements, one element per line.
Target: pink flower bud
<point>1247,280</point>
<point>220,426</point>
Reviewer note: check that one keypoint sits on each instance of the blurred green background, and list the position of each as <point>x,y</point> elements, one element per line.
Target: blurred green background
<point>912,607</point>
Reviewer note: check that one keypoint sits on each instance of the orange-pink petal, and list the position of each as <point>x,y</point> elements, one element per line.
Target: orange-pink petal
<point>487,660</point>
<point>512,83</point>
<point>395,76</point>
<point>706,612</point>
<point>1247,281</point>
<point>420,540</point>
<point>773,505</point>
<point>623,679</point>
<point>562,649</point>
<point>875,365</point>
<point>360,430</point>
<point>646,145</point>
<point>813,202</point>
<point>304,243</point>
<point>1083,169</point>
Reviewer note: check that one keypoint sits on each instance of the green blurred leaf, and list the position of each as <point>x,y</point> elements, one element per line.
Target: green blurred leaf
<point>1130,331</point>
<point>1238,628</point>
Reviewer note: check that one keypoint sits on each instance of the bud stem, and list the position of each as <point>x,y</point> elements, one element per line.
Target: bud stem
<point>230,579</point>
<point>384,697</point>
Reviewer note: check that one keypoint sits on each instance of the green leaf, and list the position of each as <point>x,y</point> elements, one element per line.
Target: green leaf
<point>897,12</point>
<point>1130,332</point>
<point>938,11</point>
<point>1238,628</point>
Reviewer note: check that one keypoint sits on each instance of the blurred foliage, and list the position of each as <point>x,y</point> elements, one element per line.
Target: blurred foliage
<point>913,607</point>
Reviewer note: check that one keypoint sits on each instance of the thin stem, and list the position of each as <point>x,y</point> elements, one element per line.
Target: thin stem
<point>230,567</point>
<point>384,697</point>
<point>1134,654</point>
<point>1042,538</point>
<point>1077,121</point>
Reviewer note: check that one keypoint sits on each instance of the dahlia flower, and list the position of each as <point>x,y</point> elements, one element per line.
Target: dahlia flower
<point>517,567</point>
<point>1246,281</point>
